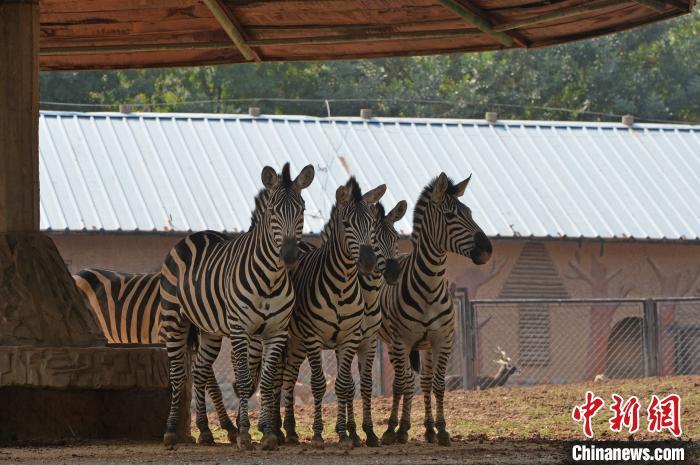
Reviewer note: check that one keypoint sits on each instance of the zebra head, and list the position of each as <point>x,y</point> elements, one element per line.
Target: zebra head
<point>353,219</point>
<point>448,223</point>
<point>386,241</point>
<point>282,210</point>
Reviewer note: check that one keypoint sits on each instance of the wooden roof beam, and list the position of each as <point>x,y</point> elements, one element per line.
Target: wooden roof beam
<point>233,28</point>
<point>656,5</point>
<point>481,21</point>
<point>561,13</point>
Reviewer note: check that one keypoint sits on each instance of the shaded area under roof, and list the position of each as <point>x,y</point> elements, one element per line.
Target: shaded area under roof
<point>189,172</point>
<point>109,34</point>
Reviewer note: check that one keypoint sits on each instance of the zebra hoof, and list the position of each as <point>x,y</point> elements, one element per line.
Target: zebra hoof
<point>317,442</point>
<point>244,442</point>
<point>401,437</point>
<point>388,438</point>
<point>280,437</point>
<point>372,440</point>
<point>170,440</point>
<point>443,438</point>
<point>205,438</point>
<point>269,442</point>
<point>346,443</point>
<point>232,436</point>
<point>292,439</point>
<point>356,441</point>
<point>430,436</point>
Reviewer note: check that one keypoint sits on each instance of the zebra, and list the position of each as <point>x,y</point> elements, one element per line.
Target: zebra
<point>125,304</point>
<point>387,271</point>
<point>329,309</point>
<point>127,308</point>
<point>417,312</point>
<point>239,288</point>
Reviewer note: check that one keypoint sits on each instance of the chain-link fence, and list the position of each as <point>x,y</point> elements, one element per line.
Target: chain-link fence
<point>539,341</point>
<point>551,341</point>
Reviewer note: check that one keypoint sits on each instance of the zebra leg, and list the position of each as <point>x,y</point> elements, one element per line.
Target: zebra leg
<point>426,380</point>
<point>441,355</point>
<point>225,422</point>
<point>409,386</point>
<point>365,362</point>
<point>350,415</point>
<point>207,351</point>
<point>397,357</point>
<point>176,344</point>
<point>318,389</point>
<point>240,344</point>
<point>214,392</point>
<point>274,346</point>
<point>344,387</point>
<point>295,355</point>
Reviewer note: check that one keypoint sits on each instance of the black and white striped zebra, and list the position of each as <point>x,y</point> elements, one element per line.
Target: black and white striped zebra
<point>239,288</point>
<point>125,304</point>
<point>127,308</point>
<point>386,273</point>
<point>329,308</point>
<point>417,312</point>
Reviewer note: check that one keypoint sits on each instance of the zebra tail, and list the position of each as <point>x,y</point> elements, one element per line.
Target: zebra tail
<point>193,338</point>
<point>414,356</point>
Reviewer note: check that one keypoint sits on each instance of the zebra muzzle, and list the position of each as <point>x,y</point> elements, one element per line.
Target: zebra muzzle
<point>367,260</point>
<point>289,252</point>
<point>392,271</point>
<point>482,249</point>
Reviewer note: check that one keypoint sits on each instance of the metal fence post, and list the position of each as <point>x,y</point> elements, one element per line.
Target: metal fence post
<point>651,338</point>
<point>380,359</point>
<point>468,317</point>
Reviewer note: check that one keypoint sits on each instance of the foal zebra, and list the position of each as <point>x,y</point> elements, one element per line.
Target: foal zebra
<point>240,288</point>
<point>127,307</point>
<point>329,309</point>
<point>417,312</point>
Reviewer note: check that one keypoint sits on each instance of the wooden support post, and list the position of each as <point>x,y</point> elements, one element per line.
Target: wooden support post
<point>19,116</point>
<point>230,24</point>
<point>478,19</point>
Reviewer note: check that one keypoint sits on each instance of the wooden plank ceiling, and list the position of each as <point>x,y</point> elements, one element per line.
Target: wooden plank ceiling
<point>110,34</point>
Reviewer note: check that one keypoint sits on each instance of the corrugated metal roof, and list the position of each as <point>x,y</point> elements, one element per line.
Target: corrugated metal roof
<point>188,172</point>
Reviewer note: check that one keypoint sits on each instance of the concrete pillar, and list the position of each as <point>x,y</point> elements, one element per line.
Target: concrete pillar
<point>57,378</point>
<point>19,115</point>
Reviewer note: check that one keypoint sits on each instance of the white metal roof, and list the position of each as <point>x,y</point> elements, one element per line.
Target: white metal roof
<point>187,172</point>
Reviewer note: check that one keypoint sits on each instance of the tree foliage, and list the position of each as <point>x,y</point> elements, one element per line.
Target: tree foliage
<point>652,72</point>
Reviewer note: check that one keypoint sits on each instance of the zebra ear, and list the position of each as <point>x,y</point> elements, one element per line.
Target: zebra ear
<point>269,177</point>
<point>373,196</point>
<point>461,187</point>
<point>439,188</point>
<point>305,177</point>
<point>343,195</point>
<point>397,212</point>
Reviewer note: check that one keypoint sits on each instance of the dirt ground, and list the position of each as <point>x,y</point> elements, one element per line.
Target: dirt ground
<point>497,426</point>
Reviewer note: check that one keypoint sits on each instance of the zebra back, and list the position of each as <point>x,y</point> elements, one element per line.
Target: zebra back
<point>125,304</point>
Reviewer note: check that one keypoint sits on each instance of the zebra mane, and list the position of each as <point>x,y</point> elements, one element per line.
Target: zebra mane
<point>330,224</point>
<point>423,201</point>
<point>259,209</point>
<point>286,177</point>
<point>381,213</point>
